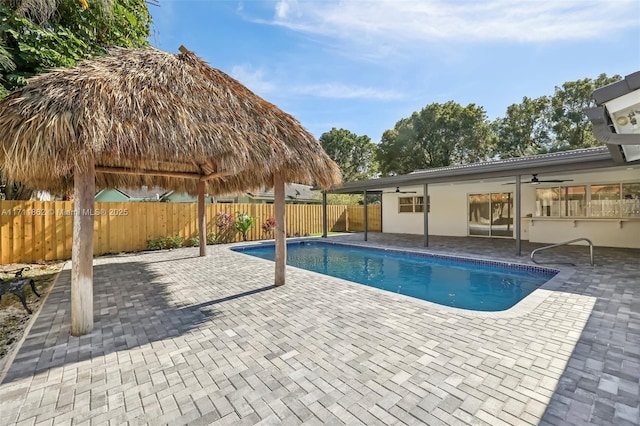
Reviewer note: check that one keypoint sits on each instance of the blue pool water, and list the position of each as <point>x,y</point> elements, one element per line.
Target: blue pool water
<point>458,282</point>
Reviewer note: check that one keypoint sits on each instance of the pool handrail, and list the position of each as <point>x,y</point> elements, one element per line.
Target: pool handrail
<point>533,253</point>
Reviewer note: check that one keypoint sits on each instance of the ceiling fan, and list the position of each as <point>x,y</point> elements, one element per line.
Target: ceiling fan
<point>535,181</point>
<point>397,191</point>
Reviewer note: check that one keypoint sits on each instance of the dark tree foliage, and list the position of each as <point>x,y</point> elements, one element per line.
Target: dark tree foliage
<point>354,154</point>
<point>524,130</point>
<point>439,135</point>
<point>567,121</point>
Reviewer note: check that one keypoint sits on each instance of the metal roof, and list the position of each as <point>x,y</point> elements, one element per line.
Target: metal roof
<point>557,162</point>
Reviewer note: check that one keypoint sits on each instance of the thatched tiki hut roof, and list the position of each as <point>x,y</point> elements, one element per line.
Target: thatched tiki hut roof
<point>148,110</point>
<point>147,117</point>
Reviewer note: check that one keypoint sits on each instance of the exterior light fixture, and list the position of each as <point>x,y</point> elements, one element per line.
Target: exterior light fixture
<point>622,121</point>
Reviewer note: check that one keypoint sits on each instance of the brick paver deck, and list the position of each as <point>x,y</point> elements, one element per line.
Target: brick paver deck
<point>180,339</point>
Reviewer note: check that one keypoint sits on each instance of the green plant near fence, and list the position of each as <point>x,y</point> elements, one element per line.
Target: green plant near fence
<point>163,243</point>
<point>243,224</point>
<point>177,241</point>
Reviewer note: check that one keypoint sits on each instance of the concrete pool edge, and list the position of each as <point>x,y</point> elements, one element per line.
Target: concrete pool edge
<point>524,307</point>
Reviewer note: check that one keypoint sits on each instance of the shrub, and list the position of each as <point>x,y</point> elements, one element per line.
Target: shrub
<point>243,224</point>
<point>195,241</point>
<point>211,238</point>
<point>225,229</point>
<point>192,242</point>
<point>224,221</point>
<point>165,243</point>
<point>268,226</point>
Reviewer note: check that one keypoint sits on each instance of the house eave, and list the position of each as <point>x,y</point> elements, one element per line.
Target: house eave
<point>578,160</point>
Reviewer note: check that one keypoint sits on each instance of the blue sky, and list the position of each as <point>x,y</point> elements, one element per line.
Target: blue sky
<point>364,65</point>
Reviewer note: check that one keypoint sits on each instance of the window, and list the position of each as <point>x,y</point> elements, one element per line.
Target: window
<point>411,204</point>
<point>574,201</point>
<point>566,201</point>
<point>605,200</point>
<point>548,202</point>
<point>631,199</point>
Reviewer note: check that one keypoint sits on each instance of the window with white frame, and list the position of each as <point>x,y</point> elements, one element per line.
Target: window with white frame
<point>410,204</point>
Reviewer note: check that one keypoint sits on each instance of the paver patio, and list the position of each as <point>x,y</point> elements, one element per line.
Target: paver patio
<point>180,339</point>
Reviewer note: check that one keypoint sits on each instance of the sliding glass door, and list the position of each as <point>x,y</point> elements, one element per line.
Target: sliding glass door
<point>491,214</point>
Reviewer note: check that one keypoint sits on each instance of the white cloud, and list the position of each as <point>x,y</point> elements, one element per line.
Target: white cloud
<point>252,78</point>
<point>372,22</point>
<point>282,8</point>
<point>341,91</point>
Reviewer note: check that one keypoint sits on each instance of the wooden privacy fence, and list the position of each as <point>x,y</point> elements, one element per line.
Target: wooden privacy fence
<point>32,231</point>
<point>355,218</point>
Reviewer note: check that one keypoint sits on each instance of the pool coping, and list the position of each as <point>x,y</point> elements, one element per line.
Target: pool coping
<point>524,307</point>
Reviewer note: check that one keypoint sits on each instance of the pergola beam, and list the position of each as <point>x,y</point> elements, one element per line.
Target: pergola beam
<point>183,175</point>
<point>214,176</point>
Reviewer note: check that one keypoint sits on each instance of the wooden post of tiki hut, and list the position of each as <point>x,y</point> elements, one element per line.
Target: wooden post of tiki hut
<point>202,220</point>
<point>281,231</point>
<point>84,189</point>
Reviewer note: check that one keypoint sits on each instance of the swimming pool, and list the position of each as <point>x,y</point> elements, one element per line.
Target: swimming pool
<point>458,282</point>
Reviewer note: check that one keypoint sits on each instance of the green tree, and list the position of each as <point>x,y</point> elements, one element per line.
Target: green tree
<point>355,155</point>
<point>525,128</point>
<point>570,127</point>
<point>439,135</point>
<point>399,151</point>
<point>74,31</point>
